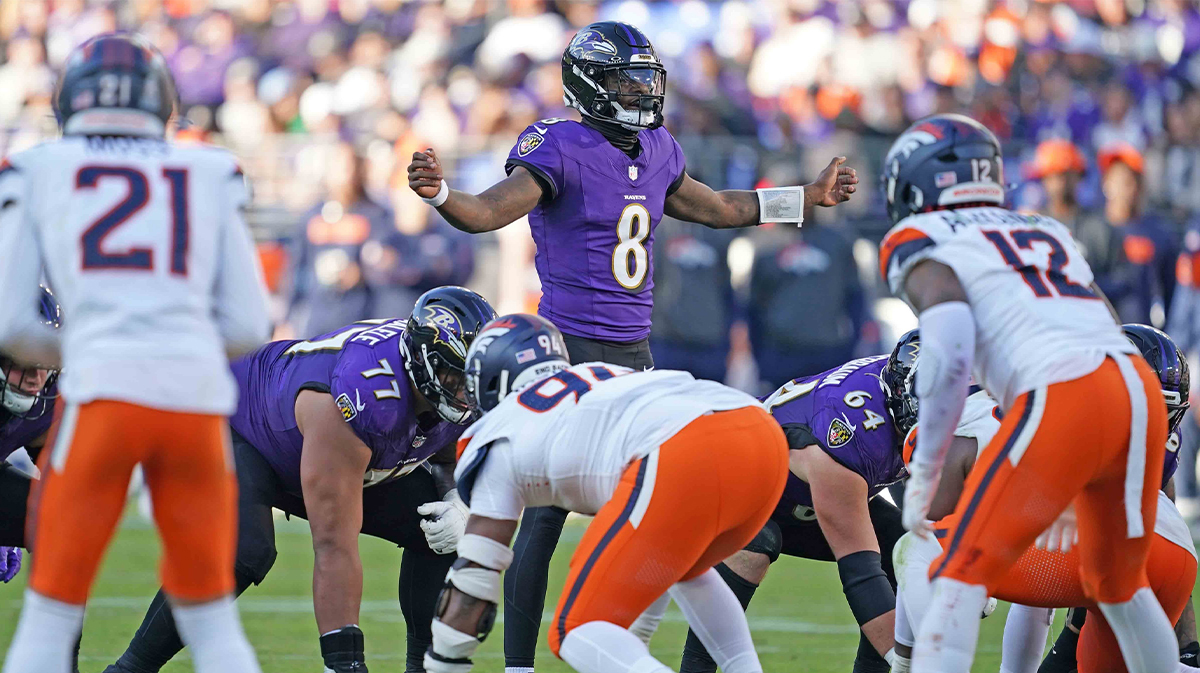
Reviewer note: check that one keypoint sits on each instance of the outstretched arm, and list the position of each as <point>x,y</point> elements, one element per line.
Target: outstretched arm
<point>732,208</point>
<point>499,205</point>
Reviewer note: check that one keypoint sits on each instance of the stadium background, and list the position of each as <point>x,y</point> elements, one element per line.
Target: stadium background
<point>324,101</point>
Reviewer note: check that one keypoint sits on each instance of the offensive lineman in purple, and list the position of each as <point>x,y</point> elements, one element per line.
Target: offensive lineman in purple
<point>845,449</point>
<point>846,417</point>
<point>361,367</point>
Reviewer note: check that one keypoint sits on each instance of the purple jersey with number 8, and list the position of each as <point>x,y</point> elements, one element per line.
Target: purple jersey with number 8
<point>594,230</point>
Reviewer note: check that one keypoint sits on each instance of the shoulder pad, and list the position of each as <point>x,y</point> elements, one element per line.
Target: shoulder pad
<point>909,242</point>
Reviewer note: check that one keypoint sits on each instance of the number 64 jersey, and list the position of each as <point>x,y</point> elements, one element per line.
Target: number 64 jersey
<point>144,244</point>
<point>1037,320</point>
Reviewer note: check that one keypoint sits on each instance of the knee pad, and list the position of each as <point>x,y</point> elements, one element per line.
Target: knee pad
<point>255,559</point>
<point>769,541</point>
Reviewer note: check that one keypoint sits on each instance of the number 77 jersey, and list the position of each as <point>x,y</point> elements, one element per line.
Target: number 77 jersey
<point>1037,319</point>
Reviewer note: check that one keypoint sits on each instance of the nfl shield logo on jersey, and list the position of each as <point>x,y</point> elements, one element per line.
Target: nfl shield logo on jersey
<point>633,172</point>
<point>840,432</point>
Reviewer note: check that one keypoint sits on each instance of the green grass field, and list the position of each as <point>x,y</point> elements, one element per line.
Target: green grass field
<point>799,616</point>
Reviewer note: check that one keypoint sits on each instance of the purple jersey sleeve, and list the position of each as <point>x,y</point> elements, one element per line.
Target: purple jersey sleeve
<point>537,151</point>
<point>860,445</point>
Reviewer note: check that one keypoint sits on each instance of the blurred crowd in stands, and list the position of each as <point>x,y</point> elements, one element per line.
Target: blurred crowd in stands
<point>1097,102</point>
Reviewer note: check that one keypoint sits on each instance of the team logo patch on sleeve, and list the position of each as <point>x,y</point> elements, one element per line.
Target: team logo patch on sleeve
<point>840,432</point>
<point>347,407</point>
<point>529,142</point>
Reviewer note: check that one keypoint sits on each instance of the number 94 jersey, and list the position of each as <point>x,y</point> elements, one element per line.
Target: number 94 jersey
<point>594,228</point>
<point>1037,321</point>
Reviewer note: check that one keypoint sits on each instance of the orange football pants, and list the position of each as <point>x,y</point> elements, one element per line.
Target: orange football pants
<point>675,514</point>
<point>1052,580</point>
<point>1061,444</point>
<point>86,467</point>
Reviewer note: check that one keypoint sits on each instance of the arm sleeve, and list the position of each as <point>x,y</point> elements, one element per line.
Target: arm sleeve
<point>239,295</point>
<point>943,377</point>
<point>23,335</point>
<point>537,151</point>
<point>495,493</point>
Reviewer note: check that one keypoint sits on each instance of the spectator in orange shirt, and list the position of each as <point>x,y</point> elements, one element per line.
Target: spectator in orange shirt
<point>1140,287</point>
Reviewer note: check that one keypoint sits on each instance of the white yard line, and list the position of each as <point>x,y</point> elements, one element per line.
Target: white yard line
<point>303,605</point>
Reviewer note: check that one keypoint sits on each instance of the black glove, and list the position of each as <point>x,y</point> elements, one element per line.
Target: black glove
<point>342,650</point>
<point>1188,654</point>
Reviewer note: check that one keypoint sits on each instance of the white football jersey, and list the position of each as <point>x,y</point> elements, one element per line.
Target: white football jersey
<point>567,439</point>
<point>145,247</point>
<point>1037,321</point>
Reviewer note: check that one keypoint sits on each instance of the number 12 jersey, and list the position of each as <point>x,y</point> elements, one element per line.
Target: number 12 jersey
<point>1037,320</point>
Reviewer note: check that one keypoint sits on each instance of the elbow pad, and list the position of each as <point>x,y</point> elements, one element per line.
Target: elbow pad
<point>866,586</point>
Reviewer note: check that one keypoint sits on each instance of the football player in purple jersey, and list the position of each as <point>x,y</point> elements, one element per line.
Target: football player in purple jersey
<point>26,410</point>
<point>347,430</point>
<point>845,428</point>
<point>594,191</point>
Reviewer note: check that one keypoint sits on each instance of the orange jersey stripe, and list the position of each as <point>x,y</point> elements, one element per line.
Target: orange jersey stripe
<point>894,240</point>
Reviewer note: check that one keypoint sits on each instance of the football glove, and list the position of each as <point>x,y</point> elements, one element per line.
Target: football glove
<point>1061,535</point>
<point>10,563</point>
<point>446,522</point>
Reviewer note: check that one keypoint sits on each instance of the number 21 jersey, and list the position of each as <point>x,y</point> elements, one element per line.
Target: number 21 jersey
<point>1037,321</point>
<point>594,230</point>
<point>145,246</point>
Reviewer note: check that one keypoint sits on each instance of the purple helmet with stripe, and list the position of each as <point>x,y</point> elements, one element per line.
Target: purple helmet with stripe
<point>612,75</point>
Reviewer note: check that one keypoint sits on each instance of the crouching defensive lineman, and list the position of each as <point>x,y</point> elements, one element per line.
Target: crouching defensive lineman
<point>333,431</point>
<point>640,446</point>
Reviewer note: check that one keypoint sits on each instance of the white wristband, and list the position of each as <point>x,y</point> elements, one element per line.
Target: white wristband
<point>438,199</point>
<point>781,204</point>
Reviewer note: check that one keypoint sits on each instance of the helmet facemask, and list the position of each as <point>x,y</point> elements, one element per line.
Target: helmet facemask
<point>22,389</point>
<point>629,95</point>
<point>441,382</point>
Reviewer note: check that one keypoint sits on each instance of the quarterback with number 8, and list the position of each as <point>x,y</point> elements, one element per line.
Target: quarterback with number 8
<point>594,191</point>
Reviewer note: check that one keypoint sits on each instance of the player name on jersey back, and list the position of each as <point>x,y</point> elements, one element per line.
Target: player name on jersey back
<point>1038,320</point>
<point>145,247</point>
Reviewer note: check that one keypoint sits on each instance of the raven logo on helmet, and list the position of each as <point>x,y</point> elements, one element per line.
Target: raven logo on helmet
<point>590,45</point>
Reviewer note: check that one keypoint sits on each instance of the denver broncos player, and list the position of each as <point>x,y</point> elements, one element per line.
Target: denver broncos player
<point>642,445</point>
<point>146,247</point>
<point>1011,296</point>
<point>337,430</point>
<point>594,191</point>
<point>844,429</point>
<point>1047,576</point>
<point>26,411</point>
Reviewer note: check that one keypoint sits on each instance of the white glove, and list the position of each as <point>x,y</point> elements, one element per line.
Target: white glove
<point>1061,535</point>
<point>989,607</point>
<point>919,490</point>
<point>447,522</point>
